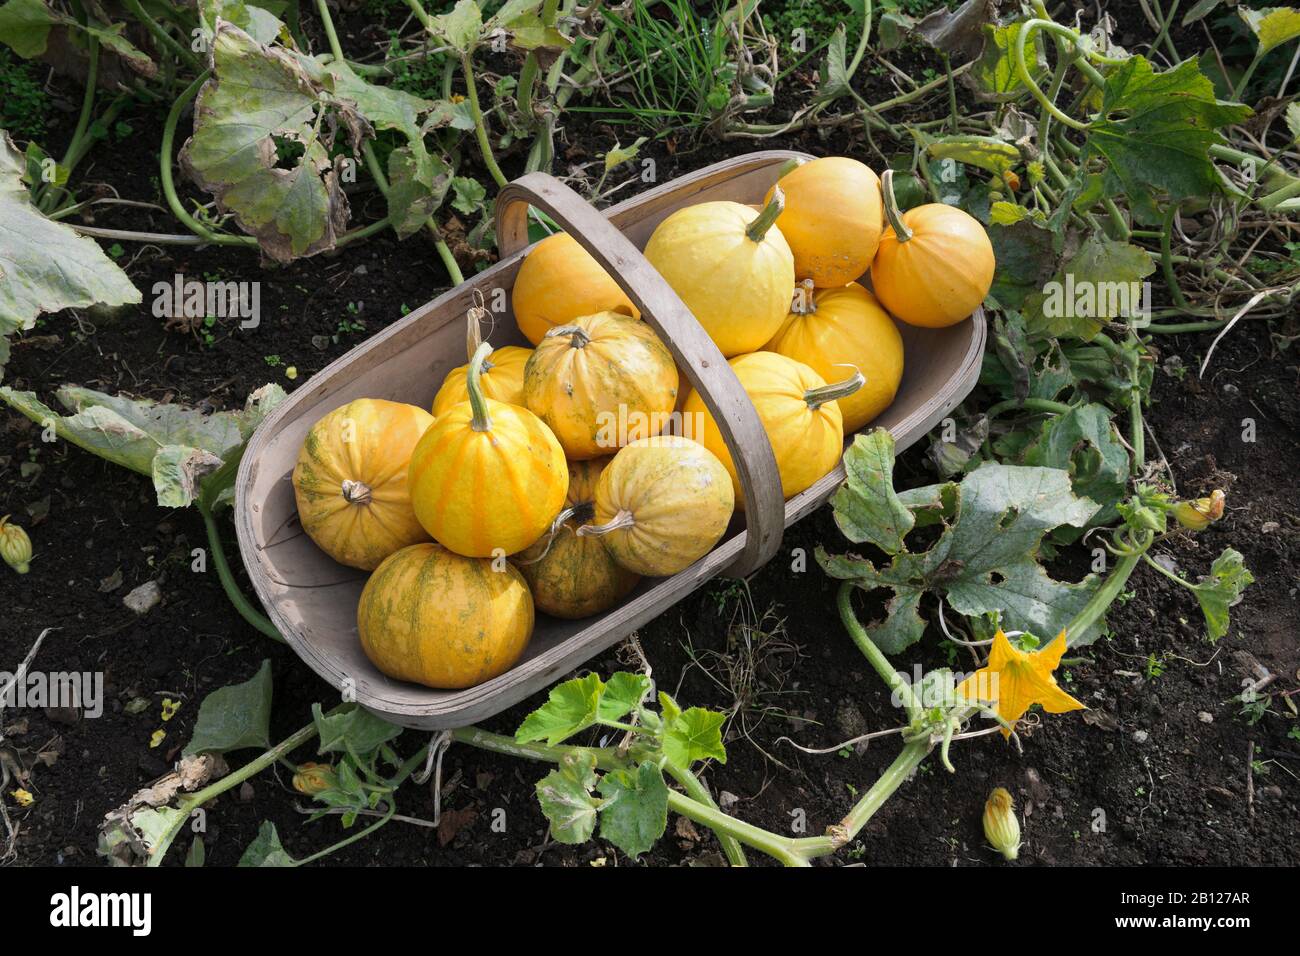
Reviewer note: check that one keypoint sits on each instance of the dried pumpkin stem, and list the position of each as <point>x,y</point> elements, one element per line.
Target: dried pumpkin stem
<point>580,338</point>
<point>474,330</point>
<point>901,231</point>
<point>759,227</point>
<point>356,492</point>
<point>817,397</point>
<point>480,422</point>
<point>556,525</point>
<point>623,519</point>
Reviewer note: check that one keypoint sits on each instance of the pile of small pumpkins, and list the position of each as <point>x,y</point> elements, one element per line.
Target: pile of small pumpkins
<point>516,494</point>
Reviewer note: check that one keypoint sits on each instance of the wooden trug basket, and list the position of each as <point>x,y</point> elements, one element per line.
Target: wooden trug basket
<point>313,600</point>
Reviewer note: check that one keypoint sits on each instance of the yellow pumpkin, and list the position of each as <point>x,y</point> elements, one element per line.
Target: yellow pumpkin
<point>573,576</point>
<point>487,478</point>
<point>559,281</point>
<point>934,265</point>
<point>661,505</point>
<point>832,219</point>
<point>350,481</point>
<point>503,371</point>
<point>600,382</point>
<point>828,329</point>
<point>731,266</point>
<point>435,618</point>
<point>798,410</point>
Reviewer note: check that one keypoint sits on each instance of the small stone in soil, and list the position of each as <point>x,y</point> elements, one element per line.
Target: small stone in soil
<point>1140,736</point>
<point>1205,717</point>
<point>145,598</point>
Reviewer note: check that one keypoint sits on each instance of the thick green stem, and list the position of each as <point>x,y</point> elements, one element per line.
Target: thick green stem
<point>697,791</point>
<point>874,655</point>
<point>480,124</point>
<point>481,422</point>
<point>902,232</point>
<point>765,220</point>
<point>228,583</point>
<point>165,172</point>
<point>895,776</point>
<point>1045,405</point>
<point>162,36</point>
<point>817,397</point>
<point>1022,70</point>
<point>1104,596</point>
<point>1250,71</point>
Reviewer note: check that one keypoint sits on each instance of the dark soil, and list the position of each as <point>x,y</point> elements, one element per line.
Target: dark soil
<point>1158,770</point>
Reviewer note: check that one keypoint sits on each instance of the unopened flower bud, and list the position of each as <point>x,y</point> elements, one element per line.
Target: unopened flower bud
<point>312,778</point>
<point>1200,513</point>
<point>1001,827</point>
<point>15,546</point>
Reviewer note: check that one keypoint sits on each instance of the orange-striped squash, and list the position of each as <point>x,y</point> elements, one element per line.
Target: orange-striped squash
<point>436,618</point>
<point>350,481</point>
<point>600,381</point>
<point>487,478</point>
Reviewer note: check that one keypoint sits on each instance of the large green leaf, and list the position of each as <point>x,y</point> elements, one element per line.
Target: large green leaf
<point>1083,442</point>
<point>355,730</point>
<point>985,559</point>
<point>1097,285</point>
<point>634,808</point>
<point>694,734</point>
<point>174,444</point>
<point>45,266</point>
<point>1155,131</point>
<point>235,717</point>
<point>865,506</point>
<point>263,99</point>
<point>994,75</point>
<point>266,849</point>
<point>571,707</point>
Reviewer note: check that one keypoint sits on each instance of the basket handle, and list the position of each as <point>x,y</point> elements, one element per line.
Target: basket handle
<point>685,338</point>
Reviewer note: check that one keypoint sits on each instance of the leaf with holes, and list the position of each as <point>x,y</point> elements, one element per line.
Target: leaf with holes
<point>985,559</point>
<point>261,145</point>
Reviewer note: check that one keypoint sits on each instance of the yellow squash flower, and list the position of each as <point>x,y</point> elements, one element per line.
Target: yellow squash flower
<point>1014,681</point>
<point>22,797</point>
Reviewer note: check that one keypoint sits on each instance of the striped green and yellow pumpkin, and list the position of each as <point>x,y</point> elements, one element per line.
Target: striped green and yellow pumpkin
<point>487,478</point>
<point>350,481</point>
<point>436,618</point>
<point>600,381</point>
<point>661,505</point>
<point>572,575</point>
